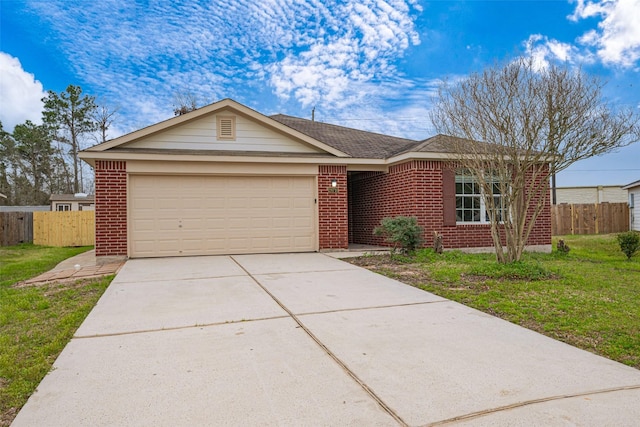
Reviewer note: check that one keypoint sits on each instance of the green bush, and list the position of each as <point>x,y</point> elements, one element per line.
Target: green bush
<point>404,232</point>
<point>629,243</point>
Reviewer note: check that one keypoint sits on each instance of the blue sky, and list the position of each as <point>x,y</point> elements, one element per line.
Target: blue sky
<point>368,64</point>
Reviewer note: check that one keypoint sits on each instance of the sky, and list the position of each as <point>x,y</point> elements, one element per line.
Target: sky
<point>367,64</point>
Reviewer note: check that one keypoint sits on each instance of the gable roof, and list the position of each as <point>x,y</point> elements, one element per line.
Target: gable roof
<point>632,185</point>
<point>356,143</point>
<point>223,105</point>
<point>337,142</point>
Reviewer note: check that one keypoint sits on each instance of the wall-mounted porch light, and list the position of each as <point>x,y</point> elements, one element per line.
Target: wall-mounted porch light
<point>334,186</point>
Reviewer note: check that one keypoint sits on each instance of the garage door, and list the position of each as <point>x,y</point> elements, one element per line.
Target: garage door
<point>212,215</point>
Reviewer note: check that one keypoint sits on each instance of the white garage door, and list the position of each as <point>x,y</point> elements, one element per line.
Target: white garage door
<point>211,215</point>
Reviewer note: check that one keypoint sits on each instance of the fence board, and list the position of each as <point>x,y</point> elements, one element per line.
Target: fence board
<point>71,228</point>
<point>16,227</point>
<point>590,218</point>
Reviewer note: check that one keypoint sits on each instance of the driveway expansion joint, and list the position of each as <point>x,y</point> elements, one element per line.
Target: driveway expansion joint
<point>485,412</point>
<point>335,358</point>
<point>176,328</point>
<point>297,272</point>
<point>173,280</point>
<point>373,307</point>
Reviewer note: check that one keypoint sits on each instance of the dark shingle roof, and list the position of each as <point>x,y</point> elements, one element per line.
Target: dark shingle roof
<point>354,142</point>
<point>440,144</point>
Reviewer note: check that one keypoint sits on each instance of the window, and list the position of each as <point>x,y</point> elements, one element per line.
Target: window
<point>631,201</point>
<point>226,127</point>
<point>63,207</point>
<point>470,205</point>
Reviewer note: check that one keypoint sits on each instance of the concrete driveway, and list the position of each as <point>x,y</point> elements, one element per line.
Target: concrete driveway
<point>306,339</point>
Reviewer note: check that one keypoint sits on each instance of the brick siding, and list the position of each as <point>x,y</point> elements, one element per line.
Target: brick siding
<point>333,225</point>
<point>111,208</point>
<point>414,188</point>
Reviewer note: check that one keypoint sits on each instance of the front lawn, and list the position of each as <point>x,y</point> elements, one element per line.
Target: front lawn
<point>589,298</point>
<point>36,322</point>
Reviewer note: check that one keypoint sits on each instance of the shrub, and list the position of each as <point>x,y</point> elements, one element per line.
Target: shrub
<point>629,243</point>
<point>563,247</point>
<point>404,232</point>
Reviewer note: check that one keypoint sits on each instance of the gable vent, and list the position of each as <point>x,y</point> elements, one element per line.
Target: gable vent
<point>226,127</point>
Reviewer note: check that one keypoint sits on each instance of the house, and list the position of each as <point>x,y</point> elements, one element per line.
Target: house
<point>592,194</point>
<point>225,179</point>
<point>633,191</point>
<point>72,202</point>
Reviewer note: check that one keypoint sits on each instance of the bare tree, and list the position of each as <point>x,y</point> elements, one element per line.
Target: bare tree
<point>104,116</point>
<point>183,103</point>
<point>533,123</point>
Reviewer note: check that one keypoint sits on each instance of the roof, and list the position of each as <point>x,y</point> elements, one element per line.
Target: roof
<point>632,185</point>
<point>223,105</point>
<point>354,142</point>
<point>71,198</point>
<point>333,141</point>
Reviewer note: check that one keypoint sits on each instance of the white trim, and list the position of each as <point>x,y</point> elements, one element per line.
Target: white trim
<point>91,157</point>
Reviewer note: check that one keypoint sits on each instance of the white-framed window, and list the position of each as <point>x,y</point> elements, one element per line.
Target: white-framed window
<point>63,207</point>
<point>470,205</point>
<point>631,200</point>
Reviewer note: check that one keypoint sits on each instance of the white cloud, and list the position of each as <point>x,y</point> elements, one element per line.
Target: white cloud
<point>305,52</point>
<point>544,50</point>
<point>20,94</point>
<point>362,48</point>
<point>617,39</point>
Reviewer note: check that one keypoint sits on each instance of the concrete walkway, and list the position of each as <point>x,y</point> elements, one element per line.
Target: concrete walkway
<point>306,339</point>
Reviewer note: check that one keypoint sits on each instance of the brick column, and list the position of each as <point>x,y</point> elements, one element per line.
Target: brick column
<point>333,208</point>
<point>111,208</point>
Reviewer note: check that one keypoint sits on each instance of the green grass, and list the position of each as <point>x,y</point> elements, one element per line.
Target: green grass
<point>589,297</point>
<point>36,322</point>
<point>24,261</point>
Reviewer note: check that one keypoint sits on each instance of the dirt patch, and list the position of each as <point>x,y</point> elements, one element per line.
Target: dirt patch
<point>7,417</point>
<point>409,273</point>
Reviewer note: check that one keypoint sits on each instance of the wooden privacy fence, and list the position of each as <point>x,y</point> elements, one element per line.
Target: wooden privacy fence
<point>16,227</point>
<point>71,228</point>
<point>590,218</point>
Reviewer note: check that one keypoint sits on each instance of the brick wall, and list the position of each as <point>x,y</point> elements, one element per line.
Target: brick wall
<point>332,208</point>
<point>542,234</point>
<point>414,188</point>
<point>111,208</point>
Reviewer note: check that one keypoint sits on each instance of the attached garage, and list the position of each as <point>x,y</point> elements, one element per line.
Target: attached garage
<point>187,215</point>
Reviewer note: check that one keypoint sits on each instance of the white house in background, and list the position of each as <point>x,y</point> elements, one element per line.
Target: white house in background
<point>72,202</point>
<point>594,194</point>
<point>633,191</point>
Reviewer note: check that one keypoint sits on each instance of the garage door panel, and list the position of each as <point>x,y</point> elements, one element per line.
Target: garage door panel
<point>201,215</point>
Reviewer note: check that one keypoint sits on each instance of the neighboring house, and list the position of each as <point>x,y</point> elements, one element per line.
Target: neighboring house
<point>633,191</point>
<point>594,194</point>
<point>72,202</point>
<point>225,179</point>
